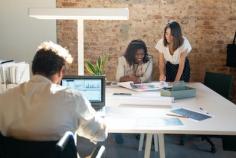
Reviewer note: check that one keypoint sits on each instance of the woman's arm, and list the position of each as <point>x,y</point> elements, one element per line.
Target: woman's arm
<point>181,66</point>
<point>147,76</point>
<point>133,78</point>
<point>162,76</point>
<point>120,72</point>
<point>89,124</point>
<point>128,78</point>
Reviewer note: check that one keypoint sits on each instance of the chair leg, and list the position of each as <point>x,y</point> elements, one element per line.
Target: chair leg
<point>181,141</point>
<point>213,148</point>
<point>156,145</point>
<point>141,139</point>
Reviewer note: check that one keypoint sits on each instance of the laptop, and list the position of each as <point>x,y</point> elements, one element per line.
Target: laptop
<point>92,87</point>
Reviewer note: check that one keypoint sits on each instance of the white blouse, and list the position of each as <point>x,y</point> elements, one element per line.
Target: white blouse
<point>142,70</point>
<point>174,59</point>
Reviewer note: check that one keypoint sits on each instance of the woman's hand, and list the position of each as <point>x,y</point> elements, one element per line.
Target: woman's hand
<point>133,78</point>
<point>162,77</point>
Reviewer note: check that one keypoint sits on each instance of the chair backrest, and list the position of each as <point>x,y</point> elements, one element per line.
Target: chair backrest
<point>98,152</point>
<point>64,148</point>
<point>12,148</point>
<point>220,83</point>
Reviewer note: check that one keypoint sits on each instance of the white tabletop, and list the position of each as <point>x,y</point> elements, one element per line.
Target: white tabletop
<point>126,115</point>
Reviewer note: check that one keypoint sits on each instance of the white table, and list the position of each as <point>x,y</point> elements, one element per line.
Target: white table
<point>144,118</point>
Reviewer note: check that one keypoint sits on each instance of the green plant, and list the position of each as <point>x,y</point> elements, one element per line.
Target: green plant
<point>98,67</point>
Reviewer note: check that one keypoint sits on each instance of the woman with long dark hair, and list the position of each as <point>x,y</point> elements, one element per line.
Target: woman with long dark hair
<point>135,65</point>
<point>173,50</point>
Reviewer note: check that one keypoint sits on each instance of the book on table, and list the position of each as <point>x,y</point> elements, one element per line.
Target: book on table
<point>195,115</point>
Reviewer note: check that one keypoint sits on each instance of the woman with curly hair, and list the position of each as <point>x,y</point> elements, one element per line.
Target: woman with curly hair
<point>135,65</point>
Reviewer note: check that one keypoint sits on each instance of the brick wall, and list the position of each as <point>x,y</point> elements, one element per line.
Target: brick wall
<point>208,24</point>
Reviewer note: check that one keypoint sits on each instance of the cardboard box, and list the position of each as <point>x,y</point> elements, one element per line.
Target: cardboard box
<point>183,92</point>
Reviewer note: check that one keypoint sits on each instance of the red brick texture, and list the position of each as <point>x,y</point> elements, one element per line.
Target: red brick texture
<point>208,24</point>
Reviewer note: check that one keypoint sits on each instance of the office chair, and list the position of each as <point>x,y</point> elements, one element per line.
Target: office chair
<point>64,148</point>
<point>222,84</point>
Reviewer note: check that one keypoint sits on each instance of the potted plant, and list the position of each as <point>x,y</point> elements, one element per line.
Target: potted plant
<point>98,68</point>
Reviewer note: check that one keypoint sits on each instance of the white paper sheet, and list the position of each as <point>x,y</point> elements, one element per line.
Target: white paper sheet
<point>142,87</point>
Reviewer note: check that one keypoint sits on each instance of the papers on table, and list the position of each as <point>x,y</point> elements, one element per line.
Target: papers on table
<point>138,118</point>
<point>198,116</point>
<point>143,86</point>
<point>138,100</point>
<point>14,73</point>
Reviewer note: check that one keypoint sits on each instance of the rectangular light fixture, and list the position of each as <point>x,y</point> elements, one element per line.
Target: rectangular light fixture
<point>80,13</point>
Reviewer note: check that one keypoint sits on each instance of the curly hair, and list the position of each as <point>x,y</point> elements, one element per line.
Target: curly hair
<point>49,59</point>
<point>132,49</point>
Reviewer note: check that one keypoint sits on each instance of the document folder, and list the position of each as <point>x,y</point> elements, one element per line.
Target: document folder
<point>179,91</point>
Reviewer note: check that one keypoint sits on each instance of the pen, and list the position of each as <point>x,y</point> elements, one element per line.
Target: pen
<point>122,94</point>
<point>203,110</point>
<point>175,115</point>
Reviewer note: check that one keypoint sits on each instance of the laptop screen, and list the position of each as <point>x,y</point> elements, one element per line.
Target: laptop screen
<point>92,87</point>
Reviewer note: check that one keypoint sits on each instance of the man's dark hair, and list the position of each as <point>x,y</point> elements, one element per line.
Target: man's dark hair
<point>47,63</point>
<point>132,49</point>
<point>176,33</point>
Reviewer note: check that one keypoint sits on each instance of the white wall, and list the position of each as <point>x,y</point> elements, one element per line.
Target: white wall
<point>20,34</point>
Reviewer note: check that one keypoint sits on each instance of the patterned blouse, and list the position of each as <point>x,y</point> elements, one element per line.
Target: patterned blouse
<point>143,71</point>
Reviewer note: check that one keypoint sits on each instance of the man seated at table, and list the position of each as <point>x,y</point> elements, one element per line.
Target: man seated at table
<point>41,109</point>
